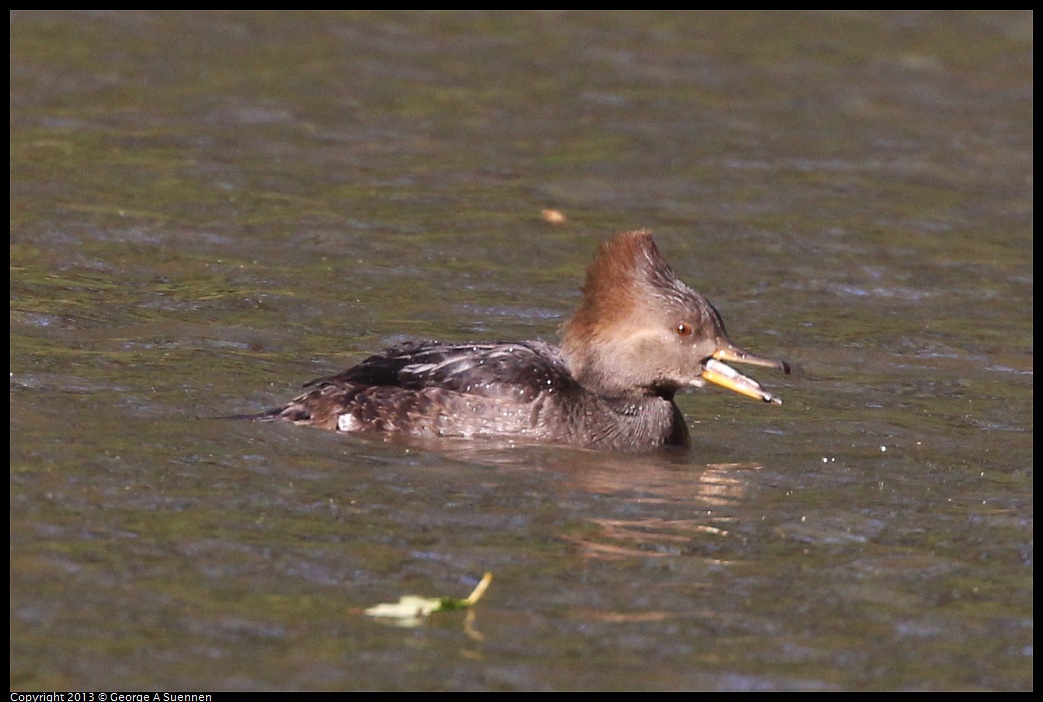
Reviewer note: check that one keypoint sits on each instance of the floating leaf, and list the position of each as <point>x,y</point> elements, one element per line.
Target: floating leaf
<point>410,610</point>
<point>407,607</point>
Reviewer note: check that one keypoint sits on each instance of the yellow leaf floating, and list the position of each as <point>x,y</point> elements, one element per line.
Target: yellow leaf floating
<point>410,610</point>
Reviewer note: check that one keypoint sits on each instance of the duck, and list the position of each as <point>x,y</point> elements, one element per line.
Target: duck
<point>640,336</point>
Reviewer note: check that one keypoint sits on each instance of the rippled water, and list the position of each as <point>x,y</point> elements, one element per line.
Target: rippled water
<point>208,209</point>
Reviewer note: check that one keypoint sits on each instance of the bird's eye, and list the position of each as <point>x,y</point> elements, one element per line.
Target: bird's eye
<point>683,329</point>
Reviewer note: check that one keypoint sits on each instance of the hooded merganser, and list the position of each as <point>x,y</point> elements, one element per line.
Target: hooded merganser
<point>639,336</point>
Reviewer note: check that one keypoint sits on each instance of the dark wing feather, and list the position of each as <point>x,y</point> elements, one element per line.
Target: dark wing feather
<point>520,370</point>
